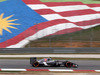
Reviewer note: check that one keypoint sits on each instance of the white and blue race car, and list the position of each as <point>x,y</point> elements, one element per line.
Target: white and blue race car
<point>51,63</point>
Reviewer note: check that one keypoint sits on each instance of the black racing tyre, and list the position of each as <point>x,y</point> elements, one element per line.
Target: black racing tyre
<point>35,64</point>
<point>68,64</point>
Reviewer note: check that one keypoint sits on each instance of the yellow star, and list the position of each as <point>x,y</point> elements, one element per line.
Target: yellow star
<point>5,23</point>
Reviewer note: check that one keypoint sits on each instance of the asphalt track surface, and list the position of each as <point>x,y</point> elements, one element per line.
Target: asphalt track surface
<point>25,64</point>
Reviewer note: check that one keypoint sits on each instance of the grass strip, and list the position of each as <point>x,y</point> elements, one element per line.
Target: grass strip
<point>2,0</point>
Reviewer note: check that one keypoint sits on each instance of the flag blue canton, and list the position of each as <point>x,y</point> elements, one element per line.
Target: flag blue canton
<point>22,14</point>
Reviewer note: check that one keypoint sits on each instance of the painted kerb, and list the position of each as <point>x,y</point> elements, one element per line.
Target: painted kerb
<point>52,70</point>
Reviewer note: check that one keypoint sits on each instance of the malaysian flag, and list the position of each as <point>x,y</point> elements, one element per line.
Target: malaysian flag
<point>54,18</point>
<point>64,17</point>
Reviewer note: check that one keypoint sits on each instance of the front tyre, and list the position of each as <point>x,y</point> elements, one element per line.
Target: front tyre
<point>68,64</point>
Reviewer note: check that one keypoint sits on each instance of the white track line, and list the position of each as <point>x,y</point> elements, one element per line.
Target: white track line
<point>97,70</point>
<point>13,70</point>
<point>56,55</point>
<point>61,70</point>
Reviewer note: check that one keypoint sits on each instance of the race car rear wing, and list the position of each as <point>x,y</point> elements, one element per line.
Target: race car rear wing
<point>32,60</point>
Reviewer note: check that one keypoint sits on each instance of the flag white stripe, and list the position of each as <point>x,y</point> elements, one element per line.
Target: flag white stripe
<point>51,30</point>
<point>38,6</point>
<point>69,8</point>
<point>83,17</point>
<point>96,8</point>
<point>89,26</point>
<point>20,44</point>
<point>58,8</point>
<point>52,16</point>
<point>73,18</point>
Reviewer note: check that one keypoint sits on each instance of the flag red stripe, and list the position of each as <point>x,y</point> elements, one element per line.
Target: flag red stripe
<point>32,1</point>
<point>93,5</point>
<point>77,12</point>
<point>67,13</point>
<point>45,11</point>
<point>58,3</point>
<point>51,23</point>
<point>89,22</point>
<point>51,4</point>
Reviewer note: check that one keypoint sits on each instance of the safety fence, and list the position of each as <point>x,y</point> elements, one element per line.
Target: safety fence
<point>50,50</point>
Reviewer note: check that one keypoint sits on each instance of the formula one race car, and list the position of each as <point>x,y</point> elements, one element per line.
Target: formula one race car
<point>51,63</point>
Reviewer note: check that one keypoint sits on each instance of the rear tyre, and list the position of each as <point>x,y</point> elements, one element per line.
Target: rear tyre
<point>35,64</point>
